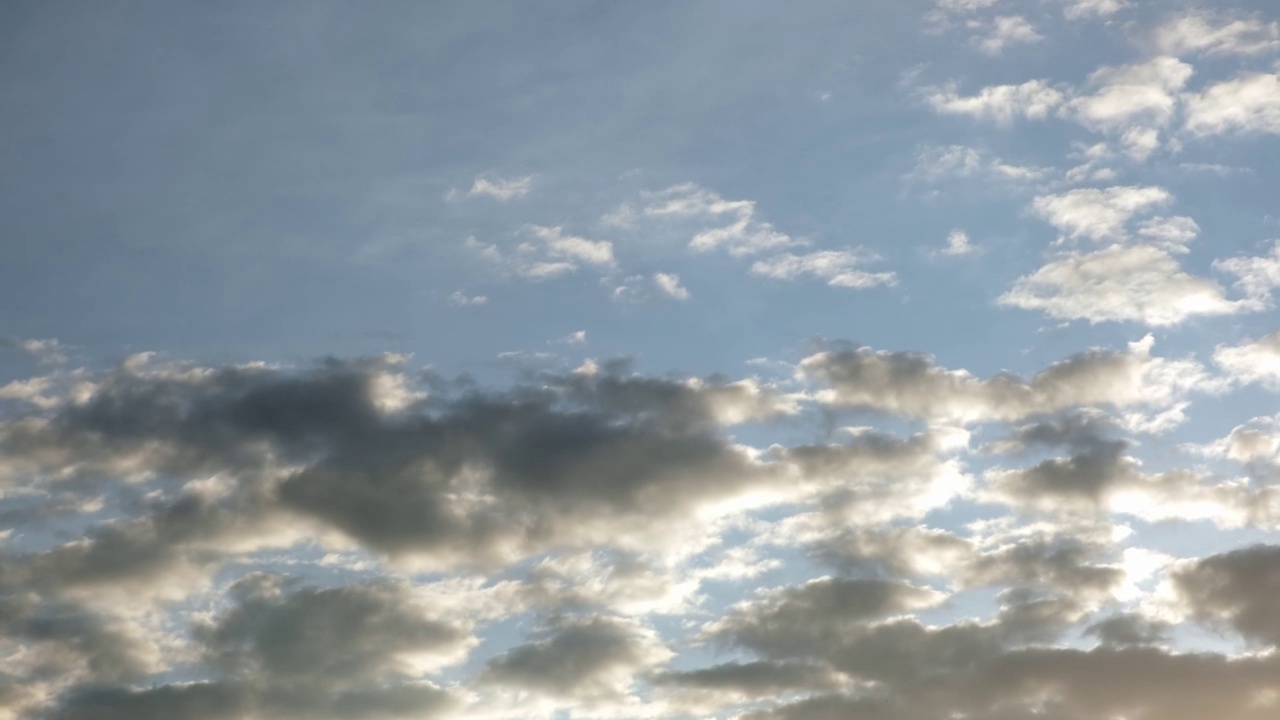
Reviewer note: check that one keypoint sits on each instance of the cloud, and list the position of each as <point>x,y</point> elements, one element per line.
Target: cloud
<point>572,248</point>
<point>1098,214</point>
<point>1211,34</point>
<point>555,254</point>
<point>1086,9</point>
<point>913,385</point>
<point>1259,276</point>
<point>791,622</point>
<point>1137,283</point>
<point>743,235</point>
<point>936,163</point>
<point>1248,104</point>
<point>581,659</point>
<point>1256,361</point>
<point>1001,104</point>
<point>46,351</point>
<point>1237,589</point>
<point>838,267</point>
<point>460,299</point>
<point>349,446</point>
<point>1004,31</point>
<point>669,285</point>
<point>958,244</point>
<point>1133,101</point>
<point>501,189</point>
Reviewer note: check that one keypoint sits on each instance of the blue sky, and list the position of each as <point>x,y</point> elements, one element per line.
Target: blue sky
<point>666,359</point>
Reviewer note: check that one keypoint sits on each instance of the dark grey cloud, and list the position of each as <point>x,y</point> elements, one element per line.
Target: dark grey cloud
<point>1129,629</point>
<point>795,621</point>
<point>580,658</point>
<point>359,447</point>
<point>1240,589</point>
<point>337,636</point>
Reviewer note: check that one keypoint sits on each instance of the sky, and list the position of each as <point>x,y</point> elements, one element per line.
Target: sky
<point>880,360</point>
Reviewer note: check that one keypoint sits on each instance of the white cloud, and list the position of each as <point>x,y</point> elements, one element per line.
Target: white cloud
<point>573,248</point>
<point>1083,9</point>
<point>1133,101</point>
<point>1249,103</point>
<point>1002,104</point>
<point>576,338</point>
<point>743,235</point>
<point>1004,31</point>
<point>1256,361</point>
<point>669,284</point>
<point>46,351</point>
<point>958,243</point>
<point>461,299</point>
<point>935,163</point>
<point>1098,214</point>
<point>501,189</point>
<point>838,267</point>
<point>1170,233</point>
<point>1259,276</point>
<point>1211,34</point>
<point>1120,283</point>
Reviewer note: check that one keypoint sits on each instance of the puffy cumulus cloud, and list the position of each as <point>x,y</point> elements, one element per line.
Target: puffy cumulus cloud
<point>669,285</point>
<point>914,385</point>
<point>1239,589</point>
<point>1133,101</point>
<point>1098,214</point>
<point>839,268</point>
<point>1255,361</point>
<point>1001,104</point>
<point>1208,33</point>
<point>587,661</point>
<point>1248,104</point>
<point>958,243</point>
<point>744,234</point>
<point>1255,442</point>
<point>1258,276</point>
<point>1121,283</point>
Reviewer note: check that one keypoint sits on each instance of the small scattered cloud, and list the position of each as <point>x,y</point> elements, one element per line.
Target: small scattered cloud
<point>1088,9</point>
<point>1001,104</point>
<point>500,189</point>
<point>1098,214</point>
<point>958,243</point>
<point>1248,104</point>
<point>461,299</point>
<point>669,285</point>
<point>839,268</point>
<point>1207,33</point>
<point>46,351</point>
<point>1002,32</point>
<point>1120,283</point>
